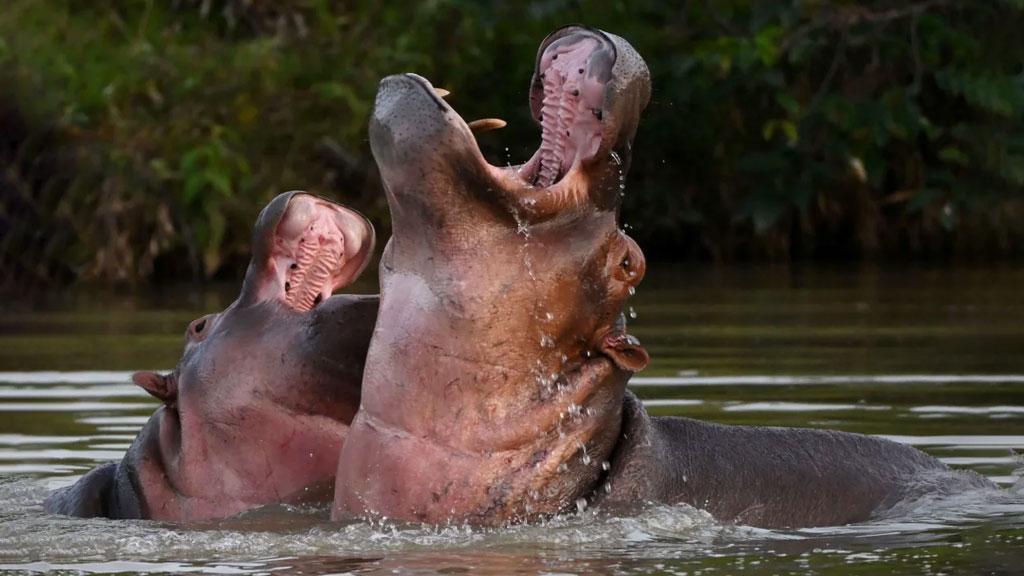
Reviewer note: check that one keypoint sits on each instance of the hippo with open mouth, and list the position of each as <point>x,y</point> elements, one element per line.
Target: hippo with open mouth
<point>495,383</point>
<point>259,405</point>
<point>495,375</point>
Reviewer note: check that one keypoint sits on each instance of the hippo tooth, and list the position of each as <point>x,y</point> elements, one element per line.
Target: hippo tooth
<point>487,124</point>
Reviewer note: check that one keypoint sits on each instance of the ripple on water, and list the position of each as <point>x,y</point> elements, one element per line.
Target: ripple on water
<point>81,419</point>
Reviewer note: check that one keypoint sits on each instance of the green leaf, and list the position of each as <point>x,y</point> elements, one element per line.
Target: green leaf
<point>953,155</point>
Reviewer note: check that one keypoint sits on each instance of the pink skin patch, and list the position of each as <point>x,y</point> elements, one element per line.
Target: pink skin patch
<point>309,251</point>
<point>571,109</point>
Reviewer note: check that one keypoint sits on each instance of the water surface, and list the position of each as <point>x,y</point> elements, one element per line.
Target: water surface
<point>927,357</point>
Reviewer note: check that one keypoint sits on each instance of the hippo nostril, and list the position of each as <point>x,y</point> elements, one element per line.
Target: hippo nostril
<point>196,331</point>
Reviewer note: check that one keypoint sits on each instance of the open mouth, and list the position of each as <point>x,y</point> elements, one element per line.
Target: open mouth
<point>319,247</point>
<point>567,98</point>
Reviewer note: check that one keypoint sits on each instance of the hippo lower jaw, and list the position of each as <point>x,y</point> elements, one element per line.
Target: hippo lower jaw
<point>571,98</point>
<point>318,247</point>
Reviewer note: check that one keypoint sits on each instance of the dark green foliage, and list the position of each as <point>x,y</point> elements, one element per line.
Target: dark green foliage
<point>140,137</point>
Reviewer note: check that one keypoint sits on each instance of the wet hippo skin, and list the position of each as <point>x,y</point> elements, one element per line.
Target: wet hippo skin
<point>495,375</point>
<point>259,405</point>
<point>495,381</point>
<point>767,476</point>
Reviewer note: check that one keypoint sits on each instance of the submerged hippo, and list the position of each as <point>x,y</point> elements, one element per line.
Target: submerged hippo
<point>495,381</point>
<point>259,405</point>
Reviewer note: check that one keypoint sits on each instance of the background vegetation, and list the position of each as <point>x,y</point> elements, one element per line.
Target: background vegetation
<point>139,138</point>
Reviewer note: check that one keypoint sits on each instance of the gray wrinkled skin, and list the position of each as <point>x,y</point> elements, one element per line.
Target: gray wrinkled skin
<point>768,477</point>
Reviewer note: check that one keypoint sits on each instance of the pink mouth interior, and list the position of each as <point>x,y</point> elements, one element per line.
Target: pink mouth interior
<point>571,111</point>
<point>309,253</point>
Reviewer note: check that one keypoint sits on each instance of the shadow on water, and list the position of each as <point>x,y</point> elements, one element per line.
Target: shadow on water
<point>925,357</point>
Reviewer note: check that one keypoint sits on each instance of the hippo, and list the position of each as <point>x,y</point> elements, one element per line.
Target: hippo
<point>495,375</point>
<point>495,382</point>
<point>258,407</point>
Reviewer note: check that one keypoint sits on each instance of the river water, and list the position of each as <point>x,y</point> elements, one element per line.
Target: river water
<point>927,357</point>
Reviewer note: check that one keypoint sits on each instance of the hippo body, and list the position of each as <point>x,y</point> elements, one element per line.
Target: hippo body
<point>768,477</point>
<point>259,405</point>
<point>495,382</point>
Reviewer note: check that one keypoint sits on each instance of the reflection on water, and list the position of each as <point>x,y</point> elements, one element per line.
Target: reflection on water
<point>927,358</point>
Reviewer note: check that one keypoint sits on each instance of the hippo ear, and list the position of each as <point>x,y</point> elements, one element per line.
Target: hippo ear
<point>305,248</point>
<point>160,387</point>
<point>625,350</point>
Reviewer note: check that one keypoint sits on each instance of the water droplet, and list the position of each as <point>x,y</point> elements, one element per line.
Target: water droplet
<point>607,487</point>
<point>546,341</point>
<point>548,316</point>
<point>632,290</point>
<point>632,313</point>
<point>581,505</point>
<point>616,159</point>
<point>606,465</point>
<point>563,467</point>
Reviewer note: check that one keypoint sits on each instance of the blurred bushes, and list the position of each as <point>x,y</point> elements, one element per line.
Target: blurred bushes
<point>139,138</point>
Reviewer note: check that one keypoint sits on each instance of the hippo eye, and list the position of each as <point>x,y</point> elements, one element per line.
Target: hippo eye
<point>199,327</point>
<point>625,262</point>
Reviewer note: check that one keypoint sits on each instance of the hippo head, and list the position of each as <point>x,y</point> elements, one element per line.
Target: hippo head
<point>258,407</point>
<point>588,90</point>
